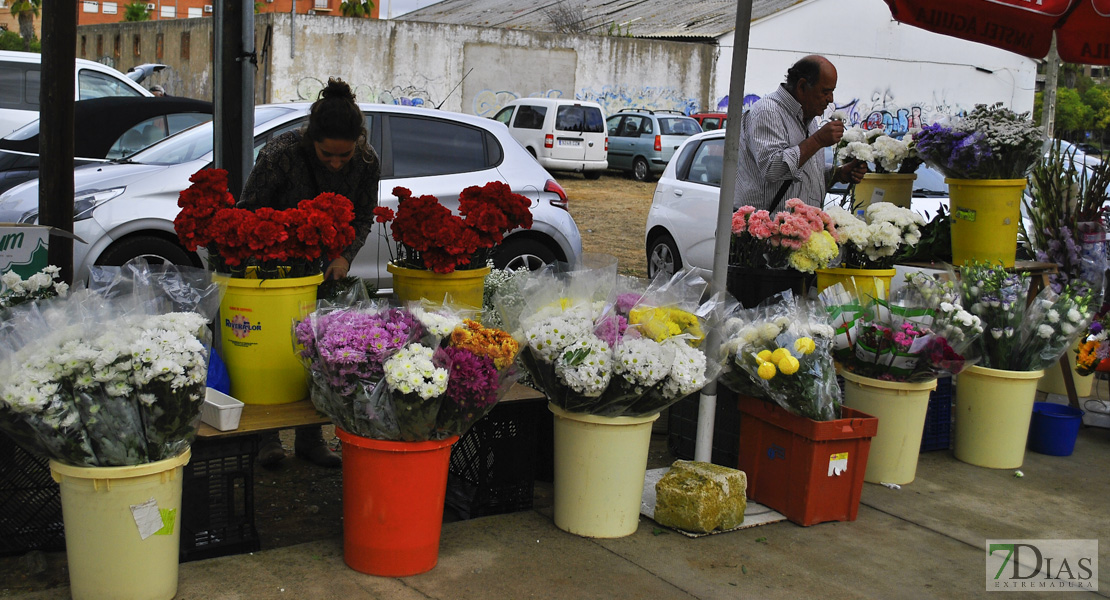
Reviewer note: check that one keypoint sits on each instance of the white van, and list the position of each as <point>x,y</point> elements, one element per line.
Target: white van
<point>19,86</point>
<point>563,135</point>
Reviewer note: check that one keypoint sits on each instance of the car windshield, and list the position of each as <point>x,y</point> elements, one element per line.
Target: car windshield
<point>195,142</point>
<point>678,126</point>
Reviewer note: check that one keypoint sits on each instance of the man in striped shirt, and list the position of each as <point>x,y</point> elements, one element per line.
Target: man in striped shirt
<point>781,143</point>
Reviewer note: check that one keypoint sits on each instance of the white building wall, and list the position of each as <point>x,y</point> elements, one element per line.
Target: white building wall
<point>886,70</point>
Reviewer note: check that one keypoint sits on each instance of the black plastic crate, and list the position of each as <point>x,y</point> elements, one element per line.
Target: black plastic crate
<point>493,466</point>
<point>682,428</point>
<point>30,502</point>
<point>938,418</point>
<point>217,500</point>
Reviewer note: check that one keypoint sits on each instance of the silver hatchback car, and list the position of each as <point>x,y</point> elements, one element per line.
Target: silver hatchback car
<point>125,208</point>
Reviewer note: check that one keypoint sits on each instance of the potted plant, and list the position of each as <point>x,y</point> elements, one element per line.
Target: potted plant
<point>890,353</point>
<point>272,263</point>
<point>994,399</point>
<point>870,245</point>
<point>984,157</point>
<point>893,163</point>
<point>401,386</point>
<point>610,354</point>
<point>771,253</point>
<point>107,383</point>
<point>440,253</point>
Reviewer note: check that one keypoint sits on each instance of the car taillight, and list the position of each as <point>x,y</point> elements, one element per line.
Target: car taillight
<point>606,143</point>
<point>658,144</point>
<point>548,141</point>
<point>553,187</point>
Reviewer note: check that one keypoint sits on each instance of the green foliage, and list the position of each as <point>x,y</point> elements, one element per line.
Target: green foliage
<point>10,40</point>
<point>936,241</point>
<point>1071,113</point>
<point>136,11</point>
<point>356,8</point>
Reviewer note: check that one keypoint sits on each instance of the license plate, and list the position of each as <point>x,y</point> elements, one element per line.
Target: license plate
<point>572,143</point>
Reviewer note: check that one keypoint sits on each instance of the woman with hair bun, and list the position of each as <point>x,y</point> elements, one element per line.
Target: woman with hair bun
<point>330,154</point>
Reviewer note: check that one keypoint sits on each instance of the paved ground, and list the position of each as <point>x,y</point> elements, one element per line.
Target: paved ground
<point>925,540</point>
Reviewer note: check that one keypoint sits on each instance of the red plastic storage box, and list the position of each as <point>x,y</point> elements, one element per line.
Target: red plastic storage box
<point>810,471</point>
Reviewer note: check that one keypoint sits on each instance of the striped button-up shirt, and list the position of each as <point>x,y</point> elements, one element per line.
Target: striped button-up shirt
<point>770,136</point>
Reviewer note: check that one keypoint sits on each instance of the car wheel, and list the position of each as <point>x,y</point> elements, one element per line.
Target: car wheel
<point>155,250</point>
<point>640,170</point>
<point>663,256</point>
<point>592,175</point>
<point>523,252</point>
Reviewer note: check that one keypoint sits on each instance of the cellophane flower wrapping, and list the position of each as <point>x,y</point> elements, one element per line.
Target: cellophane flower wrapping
<point>15,290</point>
<point>604,345</point>
<point>919,333</point>
<point>782,351</point>
<point>423,372</point>
<point>1018,337</point>
<point>877,238</point>
<point>113,374</point>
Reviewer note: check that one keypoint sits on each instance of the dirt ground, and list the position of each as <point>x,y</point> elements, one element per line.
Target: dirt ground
<point>299,502</point>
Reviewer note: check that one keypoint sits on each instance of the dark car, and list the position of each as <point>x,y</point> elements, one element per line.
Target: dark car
<point>103,129</point>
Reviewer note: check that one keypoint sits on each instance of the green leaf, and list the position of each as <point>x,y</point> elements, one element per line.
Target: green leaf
<point>573,358</point>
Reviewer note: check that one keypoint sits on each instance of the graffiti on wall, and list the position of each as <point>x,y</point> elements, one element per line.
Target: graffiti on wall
<point>612,98</point>
<point>488,102</point>
<point>882,111</point>
<point>308,89</point>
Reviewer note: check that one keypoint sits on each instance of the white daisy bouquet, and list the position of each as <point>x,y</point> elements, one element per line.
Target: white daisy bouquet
<point>782,350</point>
<point>878,237</point>
<point>1018,337</point>
<point>112,375</point>
<point>598,347</point>
<point>412,374</point>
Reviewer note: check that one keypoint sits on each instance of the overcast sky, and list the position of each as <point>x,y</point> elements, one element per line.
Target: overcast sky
<point>393,8</point>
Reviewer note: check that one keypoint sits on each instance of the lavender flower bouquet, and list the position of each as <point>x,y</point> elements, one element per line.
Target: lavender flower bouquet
<point>991,142</point>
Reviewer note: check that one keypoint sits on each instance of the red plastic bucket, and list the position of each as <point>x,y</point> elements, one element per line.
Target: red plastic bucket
<point>393,495</point>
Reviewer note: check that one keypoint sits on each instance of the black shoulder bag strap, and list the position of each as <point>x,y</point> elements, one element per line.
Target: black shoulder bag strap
<point>778,196</point>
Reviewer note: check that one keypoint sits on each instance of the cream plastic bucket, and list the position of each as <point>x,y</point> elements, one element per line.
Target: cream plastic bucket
<point>993,410</point>
<point>600,463</point>
<point>123,528</point>
<point>901,409</point>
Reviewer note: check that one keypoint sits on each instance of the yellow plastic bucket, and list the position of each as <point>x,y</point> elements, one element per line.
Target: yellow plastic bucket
<point>600,463</point>
<point>459,287</point>
<point>895,188</point>
<point>256,325</point>
<point>901,409</point>
<point>1053,380</point>
<point>122,528</point>
<point>993,411</point>
<point>986,214</point>
<point>865,283</point>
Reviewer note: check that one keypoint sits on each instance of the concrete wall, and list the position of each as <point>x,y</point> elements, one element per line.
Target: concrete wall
<point>477,70</point>
<point>887,71</point>
<point>465,69</point>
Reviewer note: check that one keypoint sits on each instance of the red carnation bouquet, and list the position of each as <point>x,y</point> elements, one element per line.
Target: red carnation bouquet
<point>430,237</point>
<point>279,243</point>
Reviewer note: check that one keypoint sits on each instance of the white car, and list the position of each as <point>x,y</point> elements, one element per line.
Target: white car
<point>124,209</point>
<point>19,86</point>
<point>563,135</point>
<point>683,215</point>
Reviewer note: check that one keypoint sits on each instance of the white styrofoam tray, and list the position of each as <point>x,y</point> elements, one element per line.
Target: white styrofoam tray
<point>221,411</point>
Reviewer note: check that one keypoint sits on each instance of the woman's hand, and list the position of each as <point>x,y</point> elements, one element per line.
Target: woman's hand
<point>338,269</point>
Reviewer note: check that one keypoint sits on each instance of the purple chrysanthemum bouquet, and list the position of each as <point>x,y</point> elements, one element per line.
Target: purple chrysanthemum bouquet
<point>990,142</point>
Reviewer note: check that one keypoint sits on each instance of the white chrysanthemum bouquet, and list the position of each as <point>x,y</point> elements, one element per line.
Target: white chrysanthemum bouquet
<point>782,350</point>
<point>885,154</point>
<point>113,375</point>
<point>877,240</point>
<point>600,347</point>
<point>14,290</point>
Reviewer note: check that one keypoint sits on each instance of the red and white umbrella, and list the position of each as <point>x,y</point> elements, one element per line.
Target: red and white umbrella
<point>1024,27</point>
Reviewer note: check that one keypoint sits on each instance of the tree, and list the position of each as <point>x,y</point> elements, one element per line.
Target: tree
<point>136,11</point>
<point>26,11</point>
<point>1072,115</point>
<point>356,8</point>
